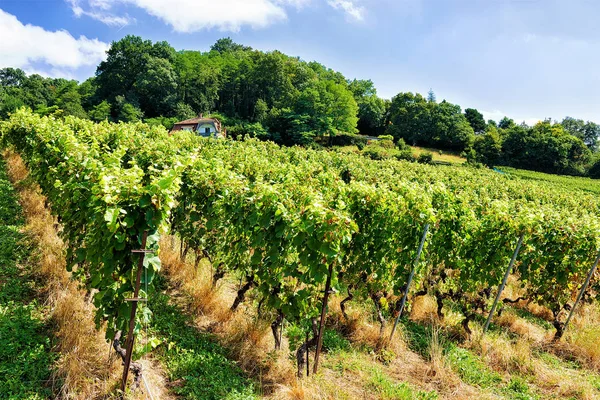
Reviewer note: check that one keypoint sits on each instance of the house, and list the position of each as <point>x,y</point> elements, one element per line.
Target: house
<point>206,127</point>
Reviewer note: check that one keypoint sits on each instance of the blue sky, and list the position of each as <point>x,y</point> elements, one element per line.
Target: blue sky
<point>528,59</point>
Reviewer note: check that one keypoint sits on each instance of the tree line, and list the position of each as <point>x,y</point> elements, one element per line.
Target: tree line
<point>276,97</point>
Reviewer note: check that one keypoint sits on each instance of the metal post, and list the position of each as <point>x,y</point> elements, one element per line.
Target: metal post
<point>307,355</point>
<point>410,278</point>
<point>582,291</point>
<point>322,322</point>
<point>508,271</point>
<point>130,336</point>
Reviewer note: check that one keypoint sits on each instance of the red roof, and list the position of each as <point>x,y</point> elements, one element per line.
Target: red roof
<point>198,120</point>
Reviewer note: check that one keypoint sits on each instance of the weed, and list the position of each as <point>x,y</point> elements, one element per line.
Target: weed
<point>470,368</point>
<point>389,390</point>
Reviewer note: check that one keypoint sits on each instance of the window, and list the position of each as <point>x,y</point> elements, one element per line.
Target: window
<point>186,128</point>
<point>207,131</point>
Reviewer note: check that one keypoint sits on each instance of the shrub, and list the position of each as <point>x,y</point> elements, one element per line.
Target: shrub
<point>387,144</point>
<point>375,152</point>
<point>594,171</point>
<point>386,137</point>
<point>425,158</point>
<point>348,139</point>
<point>402,146</point>
<point>405,154</point>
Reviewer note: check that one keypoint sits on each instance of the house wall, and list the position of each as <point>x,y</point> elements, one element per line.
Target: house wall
<point>202,129</point>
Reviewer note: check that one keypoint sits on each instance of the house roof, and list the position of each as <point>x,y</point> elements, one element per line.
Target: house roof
<point>198,120</point>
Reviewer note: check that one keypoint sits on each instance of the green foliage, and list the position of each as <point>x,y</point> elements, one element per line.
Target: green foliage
<point>594,171</point>
<point>546,147</point>
<point>563,183</point>
<point>487,148</point>
<point>166,122</point>
<point>588,131</point>
<point>105,196</point>
<point>347,139</point>
<point>475,119</point>
<point>327,210</point>
<point>418,121</point>
<point>425,158</point>
<point>100,112</point>
<point>372,110</point>
<point>127,112</point>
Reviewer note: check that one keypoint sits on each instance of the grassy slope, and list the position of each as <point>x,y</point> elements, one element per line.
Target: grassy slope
<point>25,357</point>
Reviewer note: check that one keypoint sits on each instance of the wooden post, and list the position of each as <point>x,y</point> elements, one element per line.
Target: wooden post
<point>130,337</point>
<point>506,275</point>
<point>322,322</point>
<point>582,291</point>
<point>410,278</point>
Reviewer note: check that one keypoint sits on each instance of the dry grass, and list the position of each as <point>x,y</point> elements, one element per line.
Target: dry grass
<point>446,156</point>
<point>522,327</point>
<point>582,337</point>
<point>248,338</point>
<point>84,369</point>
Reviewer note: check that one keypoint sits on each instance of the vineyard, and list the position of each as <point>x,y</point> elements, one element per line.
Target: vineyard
<point>296,225</point>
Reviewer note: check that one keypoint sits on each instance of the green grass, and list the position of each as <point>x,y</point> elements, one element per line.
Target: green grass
<point>25,349</point>
<point>471,368</point>
<point>194,359</point>
<point>390,390</point>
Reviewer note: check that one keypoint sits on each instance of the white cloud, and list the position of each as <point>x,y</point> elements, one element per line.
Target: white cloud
<point>353,10</point>
<point>194,15</point>
<point>28,46</point>
<point>98,10</point>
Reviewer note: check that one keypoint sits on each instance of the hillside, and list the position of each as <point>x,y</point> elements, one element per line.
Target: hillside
<point>244,239</point>
<point>282,98</point>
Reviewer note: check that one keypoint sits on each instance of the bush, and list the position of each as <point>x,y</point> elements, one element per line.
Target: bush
<point>348,139</point>
<point>425,158</point>
<point>386,137</point>
<point>402,146</point>
<point>406,155</point>
<point>387,144</point>
<point>375,152</point>
<point>594,171</point>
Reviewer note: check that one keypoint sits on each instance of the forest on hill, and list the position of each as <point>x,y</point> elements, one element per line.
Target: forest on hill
<point>273,96</point>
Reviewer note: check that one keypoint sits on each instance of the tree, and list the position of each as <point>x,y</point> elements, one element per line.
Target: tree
<point>409,116</point>
<point>127,112</point>
<point>488,147</point>
<point>450,127</point>
<point>100,112</point>
<point>545,147</point>
<point>129,69</point>
<point>225,45</point>
<point>506,123</point>
<point>157,87</point>
<point>588,131</point>
<point>431,96</point>
<point>475,119</point>
<point>12,77</point>
<point>372,110</point>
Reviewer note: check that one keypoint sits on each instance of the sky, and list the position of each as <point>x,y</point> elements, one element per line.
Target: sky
<point>526,59</point>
